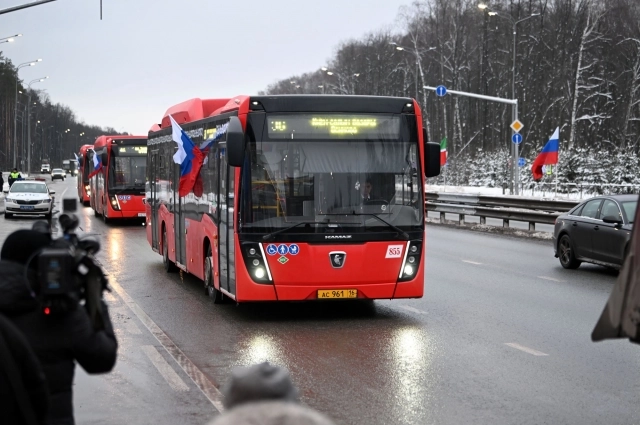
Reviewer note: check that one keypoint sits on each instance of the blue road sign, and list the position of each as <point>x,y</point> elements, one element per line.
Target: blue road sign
<point>441,90</point>
<point>516,138</point>
<point>272,249</point>
<point>283,249</point>
<point>294,249</point>
<point>521,162</point>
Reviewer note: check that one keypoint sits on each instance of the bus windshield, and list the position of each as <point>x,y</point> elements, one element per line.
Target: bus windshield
<point>127,172</point>
<point>347,175</point>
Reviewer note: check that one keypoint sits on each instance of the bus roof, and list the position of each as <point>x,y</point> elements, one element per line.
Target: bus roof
<point>84,148</point>
<point>197,109</point>
<point>103,140</point>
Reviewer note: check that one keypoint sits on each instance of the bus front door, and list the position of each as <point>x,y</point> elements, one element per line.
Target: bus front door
<point>153,200</point>
<point>179,218</point>
<point>226,259</point>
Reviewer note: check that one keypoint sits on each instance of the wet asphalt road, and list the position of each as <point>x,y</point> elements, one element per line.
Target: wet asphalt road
<point>442,359</point>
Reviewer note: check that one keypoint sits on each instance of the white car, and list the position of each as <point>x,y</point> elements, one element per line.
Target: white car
<point>58,173</point>
<point>28,197</point>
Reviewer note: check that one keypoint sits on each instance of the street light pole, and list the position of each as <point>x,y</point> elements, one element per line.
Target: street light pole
<point>15,111</point>
<point>516,155</point>
<point>515,168</point>
<point>37,80</point>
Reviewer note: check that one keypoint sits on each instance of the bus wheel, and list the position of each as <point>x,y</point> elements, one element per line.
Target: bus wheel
<point>209,288</point>
<point>169,267</point>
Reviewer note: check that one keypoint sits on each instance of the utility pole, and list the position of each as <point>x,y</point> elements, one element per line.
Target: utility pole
<point>513,102</point>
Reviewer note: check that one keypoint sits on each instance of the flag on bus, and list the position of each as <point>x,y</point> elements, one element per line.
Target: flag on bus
<point>97,164</point>
<point>548,156</point>
<point>443,152</point>
<point>191,158</point>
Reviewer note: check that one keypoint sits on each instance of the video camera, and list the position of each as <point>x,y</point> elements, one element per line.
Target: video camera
<point>67,271</point>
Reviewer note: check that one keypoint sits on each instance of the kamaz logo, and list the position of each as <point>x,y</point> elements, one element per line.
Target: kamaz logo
<point>338,237</point>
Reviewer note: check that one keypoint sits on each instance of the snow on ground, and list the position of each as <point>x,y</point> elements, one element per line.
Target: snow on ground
<point>496,191</point>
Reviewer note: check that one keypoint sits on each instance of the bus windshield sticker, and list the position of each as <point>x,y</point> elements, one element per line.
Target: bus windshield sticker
<point>294,249</point>
<point>272,249</point>
<point>283,260</point>
<point>394,251</point>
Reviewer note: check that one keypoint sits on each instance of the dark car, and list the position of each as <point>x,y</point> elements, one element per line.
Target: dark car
<point>596,231</point>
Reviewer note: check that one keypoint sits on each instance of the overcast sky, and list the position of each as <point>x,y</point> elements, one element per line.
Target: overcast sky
<point>147,55</point>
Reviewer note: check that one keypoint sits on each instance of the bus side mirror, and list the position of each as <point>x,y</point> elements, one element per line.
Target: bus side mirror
<point>235,142</point>
<point>104,158</point>
<point>431,159</point>
<point>81,161</point>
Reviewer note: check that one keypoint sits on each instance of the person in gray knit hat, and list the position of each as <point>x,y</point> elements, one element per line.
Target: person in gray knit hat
<point>259,382</point>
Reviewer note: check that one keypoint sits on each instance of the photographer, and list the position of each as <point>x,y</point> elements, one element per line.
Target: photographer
<point>58,339</point>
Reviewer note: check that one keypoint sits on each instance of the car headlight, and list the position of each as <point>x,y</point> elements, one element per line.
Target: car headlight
<point>46,201</point>
<point>10,200</point>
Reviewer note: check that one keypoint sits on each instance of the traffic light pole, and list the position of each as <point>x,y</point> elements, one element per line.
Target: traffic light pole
<point>514,111</point>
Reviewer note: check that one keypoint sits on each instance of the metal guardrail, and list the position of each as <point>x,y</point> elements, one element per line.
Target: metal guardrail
<point>506,208</point>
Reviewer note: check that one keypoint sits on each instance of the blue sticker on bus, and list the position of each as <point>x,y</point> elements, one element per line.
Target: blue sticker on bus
<point>272,249</point>
<point>283,249</point>
<point>124,197</point>
<point>294,249</point>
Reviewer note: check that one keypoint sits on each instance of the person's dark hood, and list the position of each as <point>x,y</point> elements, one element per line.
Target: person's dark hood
<point>16,296</point>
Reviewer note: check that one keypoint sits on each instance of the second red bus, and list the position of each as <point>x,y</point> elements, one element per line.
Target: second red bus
<point>117,189</point>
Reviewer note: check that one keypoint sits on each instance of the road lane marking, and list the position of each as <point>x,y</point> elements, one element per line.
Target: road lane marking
<point>550,278</point>
<point>200,379</point>
<point>525,349</point>
<point>108,297</point>
<point>472,262</point>
<point>412,309</point>
<point>164,368</point>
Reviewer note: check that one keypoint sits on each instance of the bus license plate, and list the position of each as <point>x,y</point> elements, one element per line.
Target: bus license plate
<point>338,293</point>
<point>142,214</point>
<point>26,207</point>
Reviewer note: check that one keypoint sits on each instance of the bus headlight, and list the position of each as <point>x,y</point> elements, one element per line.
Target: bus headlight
<point>115,204</point>
<point>411,261</point>
<point>256,262</point>
<point>87,189</point>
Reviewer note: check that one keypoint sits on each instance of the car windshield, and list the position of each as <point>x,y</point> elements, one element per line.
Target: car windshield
<point>345,180</point>
<point>28,188</point>
<point>57,170</point>
<point>629,208</point>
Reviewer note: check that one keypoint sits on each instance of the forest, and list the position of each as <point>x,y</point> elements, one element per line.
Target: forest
<point>572,64</point>
<point>54,129</point>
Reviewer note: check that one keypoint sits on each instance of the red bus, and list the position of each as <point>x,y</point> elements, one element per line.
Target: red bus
<point>302,197</point>
<point>117,190</point>
<point>85,165</point>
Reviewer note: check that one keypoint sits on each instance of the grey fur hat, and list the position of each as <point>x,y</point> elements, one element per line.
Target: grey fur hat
<point>259,382</point>
<point>271,413</point>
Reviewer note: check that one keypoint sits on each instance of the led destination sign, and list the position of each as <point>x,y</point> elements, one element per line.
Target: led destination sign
<point>132,150</point>
<point>333,126</point>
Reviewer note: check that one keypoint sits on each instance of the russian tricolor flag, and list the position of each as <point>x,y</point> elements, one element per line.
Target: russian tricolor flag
<point>548,156</point>
<point>97,164</point>
<point>191,157</point>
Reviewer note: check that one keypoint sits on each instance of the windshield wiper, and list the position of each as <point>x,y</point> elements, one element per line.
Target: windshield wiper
<point>272,234</point>
<point>401,232</point>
